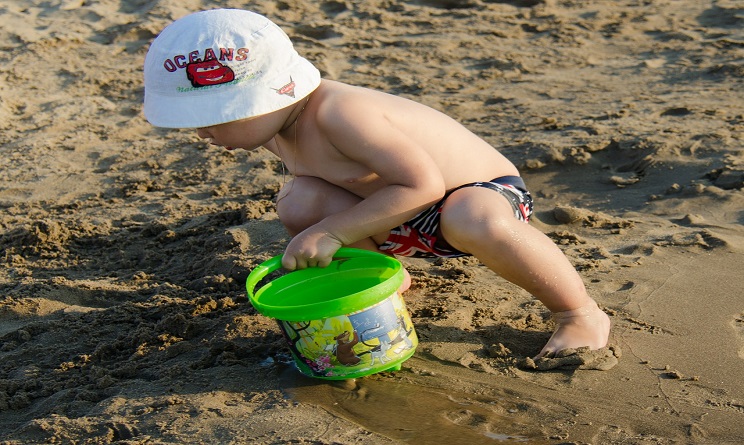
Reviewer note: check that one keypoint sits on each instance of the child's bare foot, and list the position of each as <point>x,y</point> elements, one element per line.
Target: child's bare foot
<point>587,326</point>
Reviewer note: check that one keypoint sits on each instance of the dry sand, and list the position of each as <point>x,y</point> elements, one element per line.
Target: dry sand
<point>125,248</point>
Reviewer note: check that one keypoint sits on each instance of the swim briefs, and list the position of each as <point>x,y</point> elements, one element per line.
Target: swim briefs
<point>418,237</point>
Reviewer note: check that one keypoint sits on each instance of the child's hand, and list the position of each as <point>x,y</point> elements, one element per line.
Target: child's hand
<point>311,247</point>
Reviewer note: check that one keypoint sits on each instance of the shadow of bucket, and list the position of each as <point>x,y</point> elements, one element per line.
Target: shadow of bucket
<point>343,321</point>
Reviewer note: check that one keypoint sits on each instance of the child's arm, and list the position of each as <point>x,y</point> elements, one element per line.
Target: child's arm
<point>411,180</point>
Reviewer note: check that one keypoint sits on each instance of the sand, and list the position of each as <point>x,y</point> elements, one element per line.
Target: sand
<point>125,248</point>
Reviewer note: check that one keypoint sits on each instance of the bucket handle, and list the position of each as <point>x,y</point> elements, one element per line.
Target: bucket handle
<point>275,263</point>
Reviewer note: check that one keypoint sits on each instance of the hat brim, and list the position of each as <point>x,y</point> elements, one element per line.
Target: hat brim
<point>229,103</point>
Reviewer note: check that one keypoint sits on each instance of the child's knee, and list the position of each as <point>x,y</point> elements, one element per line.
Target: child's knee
<point>297,203</point>
<point>477,231</point>
<point>298,190</point>
<point>470,219</point>
<point>305,201</point>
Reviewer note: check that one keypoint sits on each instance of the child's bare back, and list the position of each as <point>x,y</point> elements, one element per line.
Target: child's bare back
<point>402,141</point>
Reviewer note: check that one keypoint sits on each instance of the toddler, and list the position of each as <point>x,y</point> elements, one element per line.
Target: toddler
<point>370,169</point>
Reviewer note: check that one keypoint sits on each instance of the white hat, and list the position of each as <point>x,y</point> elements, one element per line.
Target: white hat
<point>222,65</point>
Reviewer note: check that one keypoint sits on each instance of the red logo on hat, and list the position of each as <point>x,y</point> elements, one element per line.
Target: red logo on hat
<point>288,89</point>
<point>208,72</point>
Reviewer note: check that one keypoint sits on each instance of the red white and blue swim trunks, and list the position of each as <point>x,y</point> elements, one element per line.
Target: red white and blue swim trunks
<point>418,237</point>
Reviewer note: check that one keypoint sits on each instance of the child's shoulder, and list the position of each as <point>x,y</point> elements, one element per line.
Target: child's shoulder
<point>336,101</point>
<point>341,98</point>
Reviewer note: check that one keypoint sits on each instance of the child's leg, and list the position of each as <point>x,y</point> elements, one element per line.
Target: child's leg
<point>481,222</point>
<point>305,201</point>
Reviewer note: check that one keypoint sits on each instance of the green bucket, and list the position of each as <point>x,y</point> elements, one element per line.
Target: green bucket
<point>343,321</point>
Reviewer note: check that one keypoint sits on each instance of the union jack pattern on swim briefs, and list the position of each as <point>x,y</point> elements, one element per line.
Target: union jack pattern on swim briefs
<point>417,237</point>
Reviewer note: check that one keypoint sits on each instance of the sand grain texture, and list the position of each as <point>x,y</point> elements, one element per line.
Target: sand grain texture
<point>125,248</point>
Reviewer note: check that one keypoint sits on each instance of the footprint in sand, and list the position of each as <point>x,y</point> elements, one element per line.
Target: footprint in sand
<point>120,431</point>
<point>469,419</point>
<point>466,417</point>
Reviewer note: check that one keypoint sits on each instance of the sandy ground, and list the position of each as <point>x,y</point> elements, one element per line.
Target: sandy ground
<point>125,248</point>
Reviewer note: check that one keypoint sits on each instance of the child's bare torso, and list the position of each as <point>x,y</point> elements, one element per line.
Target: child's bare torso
<point>363,140</point>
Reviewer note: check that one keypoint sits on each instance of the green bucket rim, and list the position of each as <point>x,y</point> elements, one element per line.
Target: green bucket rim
<point>328,308</point>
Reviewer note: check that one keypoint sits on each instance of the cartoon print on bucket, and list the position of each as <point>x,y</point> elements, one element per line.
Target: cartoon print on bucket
<point>367,340</point>
<point>343,321</point>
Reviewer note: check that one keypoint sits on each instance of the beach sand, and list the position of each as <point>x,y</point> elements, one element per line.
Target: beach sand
<point>125,248</point>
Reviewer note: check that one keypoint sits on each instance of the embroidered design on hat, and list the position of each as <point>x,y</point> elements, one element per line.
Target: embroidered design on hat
<point>208,72</point>
<point>288,89</point>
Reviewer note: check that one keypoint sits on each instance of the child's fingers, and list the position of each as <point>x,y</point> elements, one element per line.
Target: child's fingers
<point>289,262</point>
<point>324,262</point>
